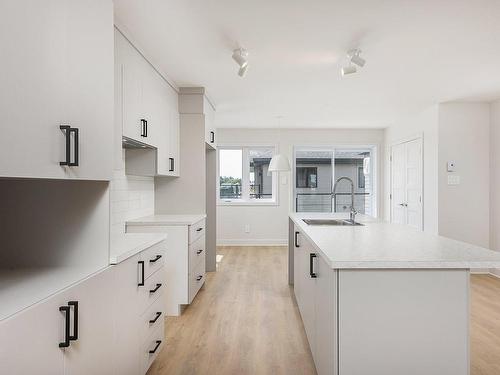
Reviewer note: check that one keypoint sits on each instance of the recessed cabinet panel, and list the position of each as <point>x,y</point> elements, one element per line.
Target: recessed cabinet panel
<point>57,69</point>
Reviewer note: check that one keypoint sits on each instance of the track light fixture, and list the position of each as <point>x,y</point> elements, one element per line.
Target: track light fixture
<point>354,58</point>
<point>240,55</point>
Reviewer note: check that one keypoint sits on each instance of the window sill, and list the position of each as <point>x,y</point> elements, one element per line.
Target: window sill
<point>247,203</point>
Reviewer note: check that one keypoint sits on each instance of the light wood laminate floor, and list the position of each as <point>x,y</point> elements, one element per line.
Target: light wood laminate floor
<point>245,321</point>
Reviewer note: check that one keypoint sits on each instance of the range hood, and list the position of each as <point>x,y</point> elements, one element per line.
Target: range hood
<point>134,144</point>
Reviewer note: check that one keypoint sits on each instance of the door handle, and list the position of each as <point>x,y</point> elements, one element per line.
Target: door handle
<point>144,132</point>
<point>199,229</point>
<point>155,259</point>
<point>172,164</point>
<point>158,343</point>
<point>74,304</point>
<point>158,314</point>
<point>212,137</point>
<point>311,266</point>
<point>199,278</point>
<point>158,286</point>
<point>199,252</point>
<point>141,263</point>
<point>65,310</point>
<point>68,130</point>
<point>296,239</point>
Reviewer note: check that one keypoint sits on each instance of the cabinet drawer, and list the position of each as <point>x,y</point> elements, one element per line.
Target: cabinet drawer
<point>152,346</point>
<point>196,280</point>
<point>152,289</point>
<point>153,258</point>
<point>152,319</point>
<point>196,253</point>
<point>196,230</point>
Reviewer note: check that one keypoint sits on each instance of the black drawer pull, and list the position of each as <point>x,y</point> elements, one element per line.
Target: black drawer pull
<point>199,252</point>
<point>74,336</point>
<point>172,164</point>
<point>158,286</point>
<point>144,131</point>
<point>212,137</point>
<point>155,259</point>
<point>158,314</point>
<point>65,343</point>
<point>311,266</point>
<point>296,239</point>
<point>199,278</point>
<point>141,263</point>
<point>199,229</point>
<point>158,343</point>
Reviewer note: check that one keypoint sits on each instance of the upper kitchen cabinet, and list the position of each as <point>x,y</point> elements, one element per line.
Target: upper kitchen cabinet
<point>149,113</point>
<point>56,89</point>
<point>210,132</point>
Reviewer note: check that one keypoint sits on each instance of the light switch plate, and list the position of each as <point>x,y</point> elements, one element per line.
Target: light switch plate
<point>453,179</point>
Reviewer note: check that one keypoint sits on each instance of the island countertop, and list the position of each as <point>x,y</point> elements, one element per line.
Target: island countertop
<point>380,244</point>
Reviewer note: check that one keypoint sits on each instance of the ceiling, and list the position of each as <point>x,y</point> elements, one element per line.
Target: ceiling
<point>418,53</point>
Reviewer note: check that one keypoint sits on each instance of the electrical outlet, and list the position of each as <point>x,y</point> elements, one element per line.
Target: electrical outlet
<point>247,228</point>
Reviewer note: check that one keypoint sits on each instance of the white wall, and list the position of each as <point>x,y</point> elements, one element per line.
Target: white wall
<point>423,124</point>
<point>464,209</point>
<point>269,224</point>
<point>495,176</point>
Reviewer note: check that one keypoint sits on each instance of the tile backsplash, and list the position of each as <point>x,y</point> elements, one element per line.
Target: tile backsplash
<point>131,197</point>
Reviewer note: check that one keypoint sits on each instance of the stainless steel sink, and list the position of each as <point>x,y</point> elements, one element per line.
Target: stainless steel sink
<point>331,222</point>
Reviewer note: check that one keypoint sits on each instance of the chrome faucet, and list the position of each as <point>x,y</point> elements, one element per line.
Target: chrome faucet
<point>353,212</point>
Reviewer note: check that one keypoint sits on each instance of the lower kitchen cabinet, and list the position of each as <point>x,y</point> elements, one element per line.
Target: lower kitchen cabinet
<point>69,333</point>
<point>315,287</point>
<point>110,323</point>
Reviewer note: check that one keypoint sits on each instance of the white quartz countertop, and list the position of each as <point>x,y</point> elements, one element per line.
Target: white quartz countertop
<point>379,244</point>
<point>167,220</point>
<point>126,245</point>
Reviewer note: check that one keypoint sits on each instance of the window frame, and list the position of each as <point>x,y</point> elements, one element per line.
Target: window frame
<point>245,199</point>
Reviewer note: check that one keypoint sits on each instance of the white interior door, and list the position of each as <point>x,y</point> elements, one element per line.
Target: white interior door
<point>406,183</point>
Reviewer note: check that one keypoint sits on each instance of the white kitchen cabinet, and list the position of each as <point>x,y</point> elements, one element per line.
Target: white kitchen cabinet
<point>140,310</point>
<point>41,329</point>
<point>325,318</point>
<point>149,113</point>
<point>315,288</point>
<point>184,260</point>
<point>92,352</point>
<point>57,70</point>
<point>210,131</point>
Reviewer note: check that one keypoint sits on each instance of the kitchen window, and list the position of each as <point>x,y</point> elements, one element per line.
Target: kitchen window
<point>243,175</point>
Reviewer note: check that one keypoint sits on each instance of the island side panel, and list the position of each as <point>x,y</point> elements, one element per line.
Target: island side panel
<point>291,244</point>
<point>408,322</point>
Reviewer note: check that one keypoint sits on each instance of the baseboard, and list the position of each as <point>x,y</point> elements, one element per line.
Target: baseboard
<point>487,271</point>
<point>495,272</point>
<point>252,242</point>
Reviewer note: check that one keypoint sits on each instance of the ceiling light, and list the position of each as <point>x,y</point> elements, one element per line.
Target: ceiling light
<point>240,55</point>
<point>243,70</point>
<point>355,58</point>
<point>348,70</point>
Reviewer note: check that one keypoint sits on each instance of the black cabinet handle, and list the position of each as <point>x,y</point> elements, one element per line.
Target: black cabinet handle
<point>158,314</point>
<point>74,304</point>
<point>144,128</point>
<point>65,343</point>
<point>68,130</point>
<point>172,166</point>
<point>158,343</point>
<point>199,229</point>
<point>296,239</point>
<point>158,286</point>
<point>212,137</point>
<point>199,278</point>
<point>141,263</point>
<point>199,252</point>
<point>311,267</point>
<point>155,259</point>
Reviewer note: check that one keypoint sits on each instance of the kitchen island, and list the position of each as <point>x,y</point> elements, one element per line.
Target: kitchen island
<point>380,298</point>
